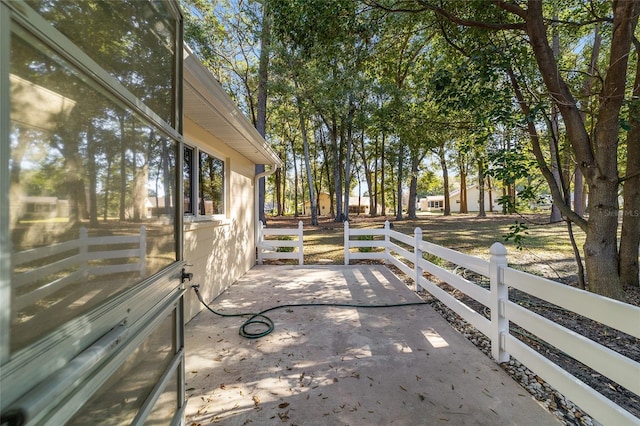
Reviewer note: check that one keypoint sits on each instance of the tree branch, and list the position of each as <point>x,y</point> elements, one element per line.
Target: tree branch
<point>427,6</point>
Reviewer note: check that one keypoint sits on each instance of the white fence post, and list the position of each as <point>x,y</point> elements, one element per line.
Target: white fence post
<point>260,239</point>
<point>83,245</point>
<point>418,252</point>
<point>301,246</point>
<point>499,295</point>
<point>387,242</point>
<point>143,251</point>
<point>346,242</point>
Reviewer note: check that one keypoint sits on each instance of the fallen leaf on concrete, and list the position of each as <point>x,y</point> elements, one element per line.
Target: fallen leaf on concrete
<point>256,400</point>
<point>283,405</point>
<point>284,416</point>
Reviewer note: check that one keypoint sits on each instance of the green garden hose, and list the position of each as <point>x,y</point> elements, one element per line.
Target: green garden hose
<point>266,325</point>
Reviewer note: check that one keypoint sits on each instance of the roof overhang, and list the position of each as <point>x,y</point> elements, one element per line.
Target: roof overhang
<point>209,106</point>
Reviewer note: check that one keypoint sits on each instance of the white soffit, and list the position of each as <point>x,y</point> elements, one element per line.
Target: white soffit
<point>209,106</point>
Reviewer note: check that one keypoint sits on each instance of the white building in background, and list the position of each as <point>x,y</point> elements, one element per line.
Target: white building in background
<point>435,203</point>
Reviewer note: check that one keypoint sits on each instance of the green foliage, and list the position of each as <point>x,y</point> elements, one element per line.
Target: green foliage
<point>509,165</point>
<point>365,238</point>
<point>284,249</point>
<point>517,233</point>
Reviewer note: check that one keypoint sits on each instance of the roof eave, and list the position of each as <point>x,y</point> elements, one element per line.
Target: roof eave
<point>208,105</point>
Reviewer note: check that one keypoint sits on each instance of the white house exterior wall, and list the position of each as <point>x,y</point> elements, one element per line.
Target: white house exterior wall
<point>473,201</point>
<point>220,251</point>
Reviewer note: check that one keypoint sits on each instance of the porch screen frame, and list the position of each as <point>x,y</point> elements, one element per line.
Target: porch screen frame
<point>37,363</point>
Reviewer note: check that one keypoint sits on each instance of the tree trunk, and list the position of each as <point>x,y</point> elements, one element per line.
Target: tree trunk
<point>481,208</point>
<point>278,183</point>
<point>383,202</point>
<point>107,181</point>
<point>261,119</point>
<point>630,236</point>
<point>93,178</point>
<point>463,191</point>
<point>307,163</point>
<point>295,181</point>
<point>337,176</point>
<point>445,179</point>
<point>374,195</point>
<point>555,214</point>
<point>123,170</point>
<point>413,186</point>
<point>369,177</point>
<point>578,185</point>
<point>347,160</point>
<point>167,180</point>
<point>399,181</point>
<point>490,193</point>
<point>598,162</point>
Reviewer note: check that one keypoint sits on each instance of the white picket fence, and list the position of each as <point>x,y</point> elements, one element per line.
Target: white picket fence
<point>615,314</point>
<point>72,264</point>
<point>268,248</point>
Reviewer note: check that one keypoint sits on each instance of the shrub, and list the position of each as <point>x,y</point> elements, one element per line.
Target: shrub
<point>365,238</point>
<point>284,249</point>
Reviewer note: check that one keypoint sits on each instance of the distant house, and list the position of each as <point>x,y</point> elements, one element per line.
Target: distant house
<point>357,205</point>
<point>40,207</point>
<point>324,205</point>
<point>435,203</point>
<point>361,205</point>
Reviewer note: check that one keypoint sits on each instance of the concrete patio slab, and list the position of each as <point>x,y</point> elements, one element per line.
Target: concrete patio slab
<point>342,366</point>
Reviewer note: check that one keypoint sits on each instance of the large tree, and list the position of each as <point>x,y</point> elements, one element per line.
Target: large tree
<point>596,153</point>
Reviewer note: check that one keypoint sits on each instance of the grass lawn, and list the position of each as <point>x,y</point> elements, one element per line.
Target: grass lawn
<point>546,248</point>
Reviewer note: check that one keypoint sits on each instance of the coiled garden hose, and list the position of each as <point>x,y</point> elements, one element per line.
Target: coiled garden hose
<point>266,325</point>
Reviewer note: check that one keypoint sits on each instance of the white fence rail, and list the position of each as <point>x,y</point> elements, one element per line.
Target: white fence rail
<point>73,263</point>
<point>277,248</point>
<point>615,314</point>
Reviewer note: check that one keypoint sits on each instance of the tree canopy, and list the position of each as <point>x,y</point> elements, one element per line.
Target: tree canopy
<point>522,98</point>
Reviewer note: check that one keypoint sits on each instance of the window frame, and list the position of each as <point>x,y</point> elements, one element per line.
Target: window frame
<point>38,362</point>
<point>195,215</point>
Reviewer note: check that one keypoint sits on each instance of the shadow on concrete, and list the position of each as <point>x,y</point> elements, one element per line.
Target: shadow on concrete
<point>342,366</point>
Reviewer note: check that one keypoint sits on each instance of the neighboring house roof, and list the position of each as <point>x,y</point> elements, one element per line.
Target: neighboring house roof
<point>209,106</point>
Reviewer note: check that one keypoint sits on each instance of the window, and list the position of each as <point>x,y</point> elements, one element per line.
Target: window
<point>85,169</point>
<point>209,187</point>
<point>121,31</point>
<point>89,248</point>
<point>187,177</point>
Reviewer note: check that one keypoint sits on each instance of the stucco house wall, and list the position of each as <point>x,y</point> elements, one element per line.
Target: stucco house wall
<point>473,201</point>
<point>220,249</point>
